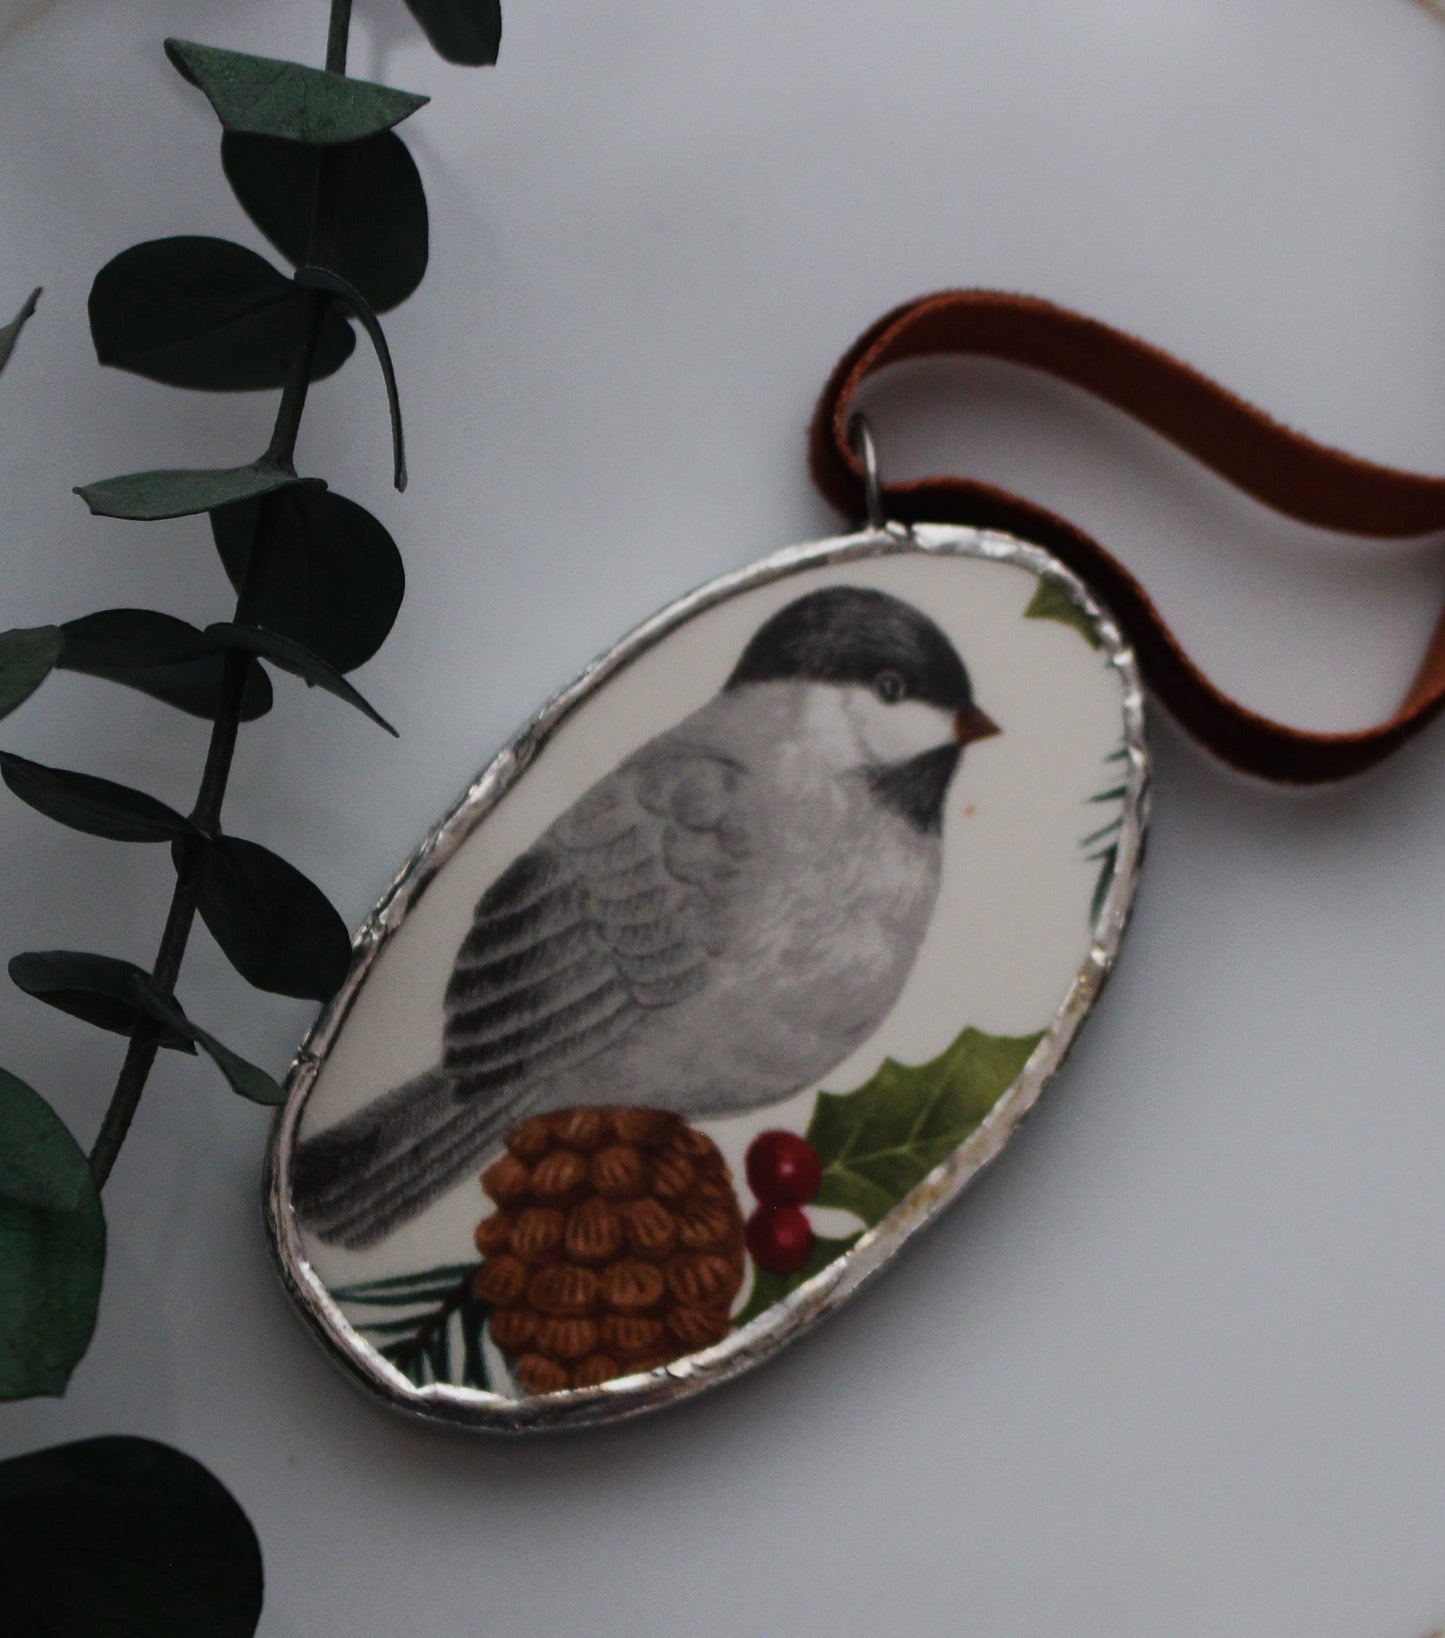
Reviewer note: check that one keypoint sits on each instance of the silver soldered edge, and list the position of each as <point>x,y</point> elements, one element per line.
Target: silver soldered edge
<point>749,1345</point>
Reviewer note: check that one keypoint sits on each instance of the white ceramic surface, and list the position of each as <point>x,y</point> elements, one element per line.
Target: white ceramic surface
<point>1041,837</point>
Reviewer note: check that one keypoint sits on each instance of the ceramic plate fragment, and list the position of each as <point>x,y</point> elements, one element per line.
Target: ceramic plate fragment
<point>840,847</point>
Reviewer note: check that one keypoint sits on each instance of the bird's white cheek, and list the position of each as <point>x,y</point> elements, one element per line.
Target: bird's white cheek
<point>894,733</point>
<point>832,728</point>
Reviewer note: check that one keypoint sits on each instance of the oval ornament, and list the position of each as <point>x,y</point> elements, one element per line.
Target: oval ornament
<point>722,979</point>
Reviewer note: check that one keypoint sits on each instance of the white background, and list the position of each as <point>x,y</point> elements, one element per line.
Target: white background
<point>1175,1365</point>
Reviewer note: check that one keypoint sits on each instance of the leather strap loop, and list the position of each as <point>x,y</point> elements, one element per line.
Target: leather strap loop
<point>1280,468</point>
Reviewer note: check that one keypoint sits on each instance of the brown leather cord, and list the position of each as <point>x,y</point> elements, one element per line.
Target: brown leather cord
<point>1278,467</point>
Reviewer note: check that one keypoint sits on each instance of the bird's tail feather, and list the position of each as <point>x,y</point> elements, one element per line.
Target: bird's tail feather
<point>355,1182</point>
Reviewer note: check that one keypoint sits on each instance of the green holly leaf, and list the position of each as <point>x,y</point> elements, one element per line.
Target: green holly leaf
<point>52,1246</point>
<point>27,657</point>
<point>770,1288</point>
<point>267,96</point>
<point>1051,602</point>
<point>127,1538</point>
<point>877,1144</point>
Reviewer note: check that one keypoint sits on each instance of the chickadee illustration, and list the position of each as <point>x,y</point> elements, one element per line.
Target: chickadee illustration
<point>713,926</point>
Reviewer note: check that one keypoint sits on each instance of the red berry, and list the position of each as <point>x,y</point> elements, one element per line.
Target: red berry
<point>780,1238</point>
<point>783,1169</point>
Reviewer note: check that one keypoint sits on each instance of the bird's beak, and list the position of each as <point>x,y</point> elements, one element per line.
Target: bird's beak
<point>969,724</point>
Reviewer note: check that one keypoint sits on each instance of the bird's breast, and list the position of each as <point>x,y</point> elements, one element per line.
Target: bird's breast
<point>820,946</point>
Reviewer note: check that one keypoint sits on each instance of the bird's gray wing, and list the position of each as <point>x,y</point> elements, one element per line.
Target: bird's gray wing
<point>617,910</point>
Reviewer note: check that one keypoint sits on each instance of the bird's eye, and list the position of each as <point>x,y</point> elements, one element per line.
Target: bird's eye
<point>889,687</point>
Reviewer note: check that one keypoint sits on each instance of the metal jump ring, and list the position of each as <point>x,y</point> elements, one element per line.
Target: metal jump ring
<point>860,440</point>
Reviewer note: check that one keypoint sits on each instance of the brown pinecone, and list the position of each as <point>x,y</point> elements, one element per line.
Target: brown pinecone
<point>616,1245</point>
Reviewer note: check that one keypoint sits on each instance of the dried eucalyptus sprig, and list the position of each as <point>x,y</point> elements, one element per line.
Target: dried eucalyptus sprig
<point>133,1531</point>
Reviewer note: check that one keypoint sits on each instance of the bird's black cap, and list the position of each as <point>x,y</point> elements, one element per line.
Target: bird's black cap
<point>847,634</point>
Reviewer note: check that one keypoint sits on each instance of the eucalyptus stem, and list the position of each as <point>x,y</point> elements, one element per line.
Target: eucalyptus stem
<point>145,1037</point>
<point>338,34</point>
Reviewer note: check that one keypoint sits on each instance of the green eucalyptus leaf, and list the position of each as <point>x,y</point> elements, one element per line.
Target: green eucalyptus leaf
<point>319,278</point>
<point>276,928</point>
<point>27,657</point>
<point>301,662</point>
<point>267,96</point>
<point>381,215</point>
<point>10,333</point>
<point>160,656</point>
<point>38,1156</point>
<point>468,32</point>
<point>334,578</point>
<point>244,1077</point>
<point>52,1246</point>
<point>99,807</point>
<point>206,313</point>
<point>146,497</point>
<point>124,1538</point>
<point>102,990</point>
